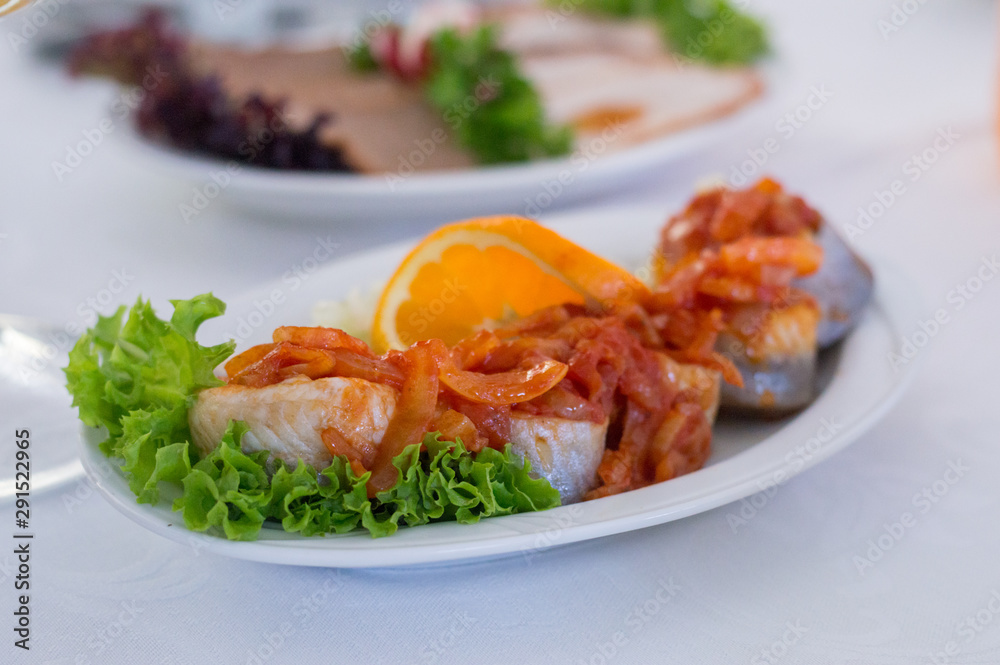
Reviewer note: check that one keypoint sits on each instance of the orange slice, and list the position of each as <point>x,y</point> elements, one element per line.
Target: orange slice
<point>483,272</point>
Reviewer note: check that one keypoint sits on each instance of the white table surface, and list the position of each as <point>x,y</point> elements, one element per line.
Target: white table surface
<point>785,587</point>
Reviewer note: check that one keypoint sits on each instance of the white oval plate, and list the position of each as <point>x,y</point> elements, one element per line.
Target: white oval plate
<point>747,456</point>
<point>527,189</point>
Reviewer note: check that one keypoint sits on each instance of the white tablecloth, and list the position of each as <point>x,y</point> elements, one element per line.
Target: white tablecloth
<point>790,585</point>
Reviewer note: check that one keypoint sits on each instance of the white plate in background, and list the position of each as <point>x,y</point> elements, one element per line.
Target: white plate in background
<point>529,189</point>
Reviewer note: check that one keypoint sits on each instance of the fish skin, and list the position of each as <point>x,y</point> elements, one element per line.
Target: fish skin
<point>778,364</point>
<point>564,452</point>
<point>843,287</point>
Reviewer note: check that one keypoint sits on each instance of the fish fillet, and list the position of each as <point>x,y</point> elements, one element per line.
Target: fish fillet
<point>777,359</point>
<point>564,452</point>
<point>288,419</point>
<point>705,383</point>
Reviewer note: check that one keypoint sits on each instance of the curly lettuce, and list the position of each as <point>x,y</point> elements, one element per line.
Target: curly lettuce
<point>710,30</point>
<point>439,480</point>
<point>138,381</point>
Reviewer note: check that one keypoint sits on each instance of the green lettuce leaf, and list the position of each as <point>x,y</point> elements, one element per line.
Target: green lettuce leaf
<point>228,489</point>
<point>138,379</point>
<point>447,482</point>
<point>710,30</point>
<point>438,480</point>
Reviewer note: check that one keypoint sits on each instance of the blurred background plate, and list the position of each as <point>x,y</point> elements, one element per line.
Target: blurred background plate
<point>526,189</point>
<point>531,189</point>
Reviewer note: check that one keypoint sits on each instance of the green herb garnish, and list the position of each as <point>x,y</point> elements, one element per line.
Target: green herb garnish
<point>361,59</point>
<point>489,105</point>
<point>709,30</point>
